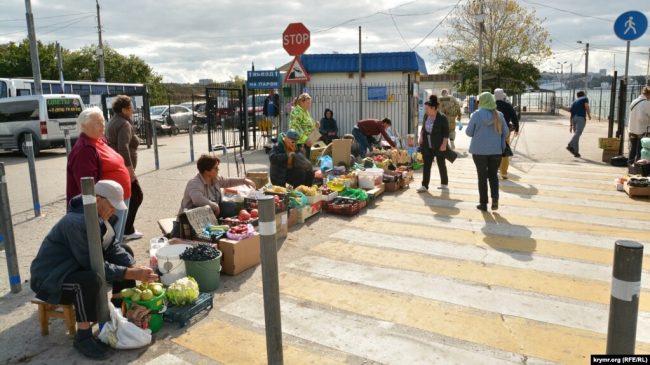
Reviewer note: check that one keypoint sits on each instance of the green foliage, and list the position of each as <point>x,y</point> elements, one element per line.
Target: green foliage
<point>505,73</point>
<point>15,62</point>
<point>512,37</point>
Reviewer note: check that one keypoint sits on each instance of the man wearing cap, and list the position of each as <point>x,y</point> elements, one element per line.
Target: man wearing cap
<point>61,272</point>
<point>510,116</point>
<point>284,162</point>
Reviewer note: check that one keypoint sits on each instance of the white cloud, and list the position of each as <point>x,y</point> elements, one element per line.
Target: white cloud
<point>186,41</point>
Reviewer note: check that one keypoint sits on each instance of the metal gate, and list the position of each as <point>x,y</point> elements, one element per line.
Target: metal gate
<point>141,118</point>
<point>226,118</point>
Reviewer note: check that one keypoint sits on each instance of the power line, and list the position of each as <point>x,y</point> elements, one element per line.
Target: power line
<point>436,27</point>
<point>568,11</point>
<point>398,31</point>
<point>44,17</point>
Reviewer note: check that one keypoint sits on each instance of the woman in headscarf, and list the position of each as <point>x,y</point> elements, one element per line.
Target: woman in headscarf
<point>328,129</point>
<point>300,120</point>
<point>488,130</point>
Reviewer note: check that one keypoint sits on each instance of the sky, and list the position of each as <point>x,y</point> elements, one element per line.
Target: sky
<point>185,41</point>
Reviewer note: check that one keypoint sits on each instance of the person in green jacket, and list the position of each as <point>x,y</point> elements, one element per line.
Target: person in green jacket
<point>301,121</point>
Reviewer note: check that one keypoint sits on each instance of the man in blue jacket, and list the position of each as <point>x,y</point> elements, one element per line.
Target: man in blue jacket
<point>61,272</point>
<point>579,112</point>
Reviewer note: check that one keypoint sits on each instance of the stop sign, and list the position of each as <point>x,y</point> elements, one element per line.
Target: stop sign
<point>295,39</point>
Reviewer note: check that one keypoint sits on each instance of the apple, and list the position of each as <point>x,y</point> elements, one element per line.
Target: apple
<point>244,215</point>
<point>254,213</point>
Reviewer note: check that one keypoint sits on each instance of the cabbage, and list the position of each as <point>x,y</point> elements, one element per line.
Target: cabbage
<point>183,291</point>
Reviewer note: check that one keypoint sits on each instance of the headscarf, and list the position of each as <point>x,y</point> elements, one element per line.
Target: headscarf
<point>486,101</point>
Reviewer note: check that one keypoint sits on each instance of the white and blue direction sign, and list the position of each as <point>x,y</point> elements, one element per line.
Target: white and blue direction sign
<point>263,79</point>
<point>630,25</point>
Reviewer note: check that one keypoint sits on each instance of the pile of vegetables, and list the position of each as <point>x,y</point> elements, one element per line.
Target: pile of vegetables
<point>307,190</point>
<point>183,291</point>
<point>200,252</point>
<point>143,292</point>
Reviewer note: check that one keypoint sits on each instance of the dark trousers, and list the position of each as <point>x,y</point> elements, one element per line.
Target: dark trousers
<point>81,288</point>
<point>134,204</point>
<point>486,168</point>
<point>362,141</point>
<point>297,177</point>
<point>635,149</point>
<point>428,155</point>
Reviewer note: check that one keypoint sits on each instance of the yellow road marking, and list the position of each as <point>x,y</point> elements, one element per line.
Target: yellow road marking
<point>230,344</point>
<point>508,333</point>
<point>543,247</point>
<point>521,279</point>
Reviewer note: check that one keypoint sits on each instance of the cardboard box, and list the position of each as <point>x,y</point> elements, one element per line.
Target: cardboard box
<point>608,154</point>
<point>281,225</point>
<point>315,198</point>
<point>292,219</point>
<point>239,255</point>
<point>341,151</point>
<point>260,178</point>
<point>376,191</point>
<point>308,211</point>
<point>636,191</point>
<point>315,153</point>
<point>609,143</point>
<point>393,185</point>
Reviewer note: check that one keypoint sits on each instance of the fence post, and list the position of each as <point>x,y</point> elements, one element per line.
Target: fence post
<point>29,144</point>
<point>270,282</point>
<point>622,105</point>
<point>624,301</point>
<point>7,234</point>
<point>91,217</point>
<point>191,131</point>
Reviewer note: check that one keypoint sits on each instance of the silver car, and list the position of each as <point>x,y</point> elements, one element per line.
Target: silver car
<point>179,119</point>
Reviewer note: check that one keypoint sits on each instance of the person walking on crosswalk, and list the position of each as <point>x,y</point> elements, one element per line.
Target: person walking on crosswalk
<point>488,130</point>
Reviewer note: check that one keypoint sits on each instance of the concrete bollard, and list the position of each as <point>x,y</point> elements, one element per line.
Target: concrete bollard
<point>624,302</point>
<point>7,234</point>
<point>95,244</point>
<point>68,144</point>
<point>270,281</point>
<point>29,143</point>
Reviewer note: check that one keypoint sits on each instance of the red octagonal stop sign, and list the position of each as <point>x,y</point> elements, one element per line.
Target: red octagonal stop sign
<point>295,39</point>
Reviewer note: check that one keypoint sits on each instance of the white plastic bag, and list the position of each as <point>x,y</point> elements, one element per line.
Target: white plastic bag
<point>121,334</point>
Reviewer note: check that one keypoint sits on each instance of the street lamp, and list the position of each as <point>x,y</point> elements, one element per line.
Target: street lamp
<point>480,18</point>
<point>586,65</point>
<point>561,80</point>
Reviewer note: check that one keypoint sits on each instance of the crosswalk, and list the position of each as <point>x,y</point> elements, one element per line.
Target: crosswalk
<point>429,279</point>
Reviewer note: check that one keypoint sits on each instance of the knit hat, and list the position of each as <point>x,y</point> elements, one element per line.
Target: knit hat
<point>499,94</point>
<point>112,192</point>
<point>486,101</point>
<point>292,134</point>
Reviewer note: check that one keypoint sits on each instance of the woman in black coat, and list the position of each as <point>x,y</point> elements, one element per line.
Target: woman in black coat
<point>434,137</point>
<point>285,167</point>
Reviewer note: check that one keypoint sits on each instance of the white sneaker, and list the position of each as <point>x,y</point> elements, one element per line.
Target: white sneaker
<point>443,187</point>
<point>133,236</point>
<point>421,189</point>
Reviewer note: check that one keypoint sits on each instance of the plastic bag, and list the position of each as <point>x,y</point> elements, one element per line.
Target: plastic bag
<point>238,237</point>
<point>297,199</point>
<point>326,163</point>
<point>121,334</point>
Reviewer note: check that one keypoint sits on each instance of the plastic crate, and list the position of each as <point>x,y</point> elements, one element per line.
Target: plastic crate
<point>182,314</point>
<point>348,209</point>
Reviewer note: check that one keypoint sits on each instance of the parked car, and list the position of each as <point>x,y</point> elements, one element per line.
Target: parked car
<point>171,123</point>
<point>199,114</point>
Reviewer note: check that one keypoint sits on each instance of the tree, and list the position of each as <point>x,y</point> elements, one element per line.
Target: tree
<point>505,73</point>
<point>15,61</point>
<point>510,31</point>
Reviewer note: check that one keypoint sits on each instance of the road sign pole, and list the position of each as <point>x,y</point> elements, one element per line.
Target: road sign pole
<point>627,59</point>
<point>7,235</point>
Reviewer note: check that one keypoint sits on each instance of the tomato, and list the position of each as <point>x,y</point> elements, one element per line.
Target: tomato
<point>244,215</point>
<point>254,213</point>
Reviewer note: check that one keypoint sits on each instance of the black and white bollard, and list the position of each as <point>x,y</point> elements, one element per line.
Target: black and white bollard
<point>91,217</point>
<point>270,281</point>
<point>7,234</point>
<point>624,302</point>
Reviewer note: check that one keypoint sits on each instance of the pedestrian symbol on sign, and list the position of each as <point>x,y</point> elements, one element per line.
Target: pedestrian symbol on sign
<point>629,24</point>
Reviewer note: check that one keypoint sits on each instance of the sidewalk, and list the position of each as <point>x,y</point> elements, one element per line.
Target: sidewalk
<point>541,142</point>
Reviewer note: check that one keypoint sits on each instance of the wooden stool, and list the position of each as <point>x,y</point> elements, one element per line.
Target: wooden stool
<point>63,311</point>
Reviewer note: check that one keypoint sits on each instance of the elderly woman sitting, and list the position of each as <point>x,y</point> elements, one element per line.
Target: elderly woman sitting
<point>205,188</point>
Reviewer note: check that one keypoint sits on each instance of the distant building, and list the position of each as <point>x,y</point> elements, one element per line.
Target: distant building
<point>603,72</point>
<point>206,82</point>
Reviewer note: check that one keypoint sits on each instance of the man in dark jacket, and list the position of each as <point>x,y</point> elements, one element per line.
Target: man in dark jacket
<point>285,167</point>
<point>61,272</point>
<point>510,115</point>
<point>366,133</point>
<point>271,107</point>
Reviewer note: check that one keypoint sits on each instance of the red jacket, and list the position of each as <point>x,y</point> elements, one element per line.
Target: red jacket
<point>373,127</point>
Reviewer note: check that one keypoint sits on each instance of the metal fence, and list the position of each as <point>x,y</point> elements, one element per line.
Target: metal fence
<point>343,100</point>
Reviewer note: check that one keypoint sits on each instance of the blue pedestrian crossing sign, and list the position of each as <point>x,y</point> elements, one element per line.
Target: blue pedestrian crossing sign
<point>630,25</point>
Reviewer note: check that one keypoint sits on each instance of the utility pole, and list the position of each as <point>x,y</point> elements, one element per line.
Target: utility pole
<point>100,47</point>
<point>647,69</point>
<point>586,66</point>
<point>59,64</point>
<point>480,18</point>
<point>33,49</point>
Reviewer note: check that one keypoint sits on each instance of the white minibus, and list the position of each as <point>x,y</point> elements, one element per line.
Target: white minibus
<point>45,117</point>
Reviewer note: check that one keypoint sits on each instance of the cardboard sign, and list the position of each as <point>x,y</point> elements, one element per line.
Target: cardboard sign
<point>341,151</point>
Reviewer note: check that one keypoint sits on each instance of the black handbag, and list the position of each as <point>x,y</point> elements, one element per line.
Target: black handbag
<point>450,155</point>
<point>507,152</point>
